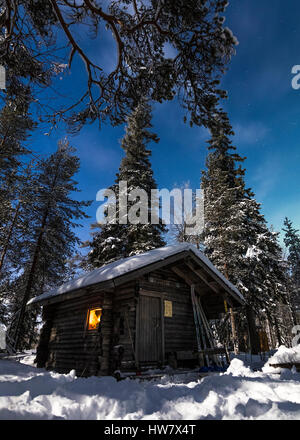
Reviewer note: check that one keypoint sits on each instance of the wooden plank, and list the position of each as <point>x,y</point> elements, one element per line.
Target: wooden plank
<point>164,288</point>
<point>287,365</point>
<point>150,336</point>
<point>180,273</point>
<point>162,329</point>
<point>151,294</point>
<point>200,275</point>
<point>220,282</point>
<point>74,294</point>
<point>137,333</point>
<point>150,268</point>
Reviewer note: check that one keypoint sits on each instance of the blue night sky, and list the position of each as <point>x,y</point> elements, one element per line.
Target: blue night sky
<point>263,107</point>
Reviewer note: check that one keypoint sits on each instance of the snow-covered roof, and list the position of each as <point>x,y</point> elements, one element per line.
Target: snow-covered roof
<point>124,266</point>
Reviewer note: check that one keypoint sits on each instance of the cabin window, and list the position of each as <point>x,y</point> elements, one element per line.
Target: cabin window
<point>94,318</point>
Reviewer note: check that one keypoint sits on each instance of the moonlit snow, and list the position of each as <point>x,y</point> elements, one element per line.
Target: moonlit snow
<point>27,392</point>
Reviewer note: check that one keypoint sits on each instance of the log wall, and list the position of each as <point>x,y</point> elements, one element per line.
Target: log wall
<point>66,344</point>
<point>124,326</point>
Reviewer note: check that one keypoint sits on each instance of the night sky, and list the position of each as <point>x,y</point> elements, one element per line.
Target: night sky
<point>263,108</point>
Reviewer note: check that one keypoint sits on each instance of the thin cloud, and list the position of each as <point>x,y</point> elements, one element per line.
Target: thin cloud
<point>95,155</point>
<point>250,133</point>
<point>266,177</point>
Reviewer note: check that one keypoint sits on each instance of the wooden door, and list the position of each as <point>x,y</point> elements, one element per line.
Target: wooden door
<point>150,329</point>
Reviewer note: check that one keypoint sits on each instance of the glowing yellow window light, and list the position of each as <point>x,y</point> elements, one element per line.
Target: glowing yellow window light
<point>94,318</point>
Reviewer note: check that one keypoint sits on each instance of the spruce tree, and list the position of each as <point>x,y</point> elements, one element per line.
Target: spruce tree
<point>15,127</point>
<point>116,241</point>
<point>236,236</point>
<point>224,188</point>
<point>16,124</point>
<point>264,280</point>
<point>18,224</point>
<point>292,242</point>
<point>52,240</point>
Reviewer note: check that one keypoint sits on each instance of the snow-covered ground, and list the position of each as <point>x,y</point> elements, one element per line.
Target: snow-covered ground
<point>286,355</point>
<point>30,393</point>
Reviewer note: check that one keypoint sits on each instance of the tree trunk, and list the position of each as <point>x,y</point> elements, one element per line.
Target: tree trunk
<point>277,331</point>
<point>291,306</point>
<point>253,335</point>
<point>232,321</point>
<point>30,281</point>
<point>3,254</point>
<point>29,284</point>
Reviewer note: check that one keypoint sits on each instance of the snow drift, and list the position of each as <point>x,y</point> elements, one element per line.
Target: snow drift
<point>286,355</point>
<point>30,393</point>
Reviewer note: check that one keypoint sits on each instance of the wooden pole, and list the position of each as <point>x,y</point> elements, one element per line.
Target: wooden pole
<point>232,322</point>
<point>234,333</point>
<point>199,329</point>
<point>29,283</point>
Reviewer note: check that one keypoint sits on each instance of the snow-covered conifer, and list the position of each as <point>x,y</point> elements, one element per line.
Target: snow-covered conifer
<point>115,240</point>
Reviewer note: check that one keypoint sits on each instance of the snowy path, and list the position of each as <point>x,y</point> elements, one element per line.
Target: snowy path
<point>30,393</point>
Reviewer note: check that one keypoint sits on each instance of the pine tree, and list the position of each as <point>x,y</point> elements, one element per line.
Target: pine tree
<point>203,45</point>
<point>116,241</point>
<point>292,242</point>
<point>52,239</point>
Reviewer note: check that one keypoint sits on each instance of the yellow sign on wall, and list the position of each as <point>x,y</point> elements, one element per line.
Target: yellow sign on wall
<point>168,309</point>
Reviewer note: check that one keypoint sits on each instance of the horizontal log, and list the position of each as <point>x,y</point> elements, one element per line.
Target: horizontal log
<point>171,332</point>
<point>74,356</point>
<point>72,345</point>
<point>184,337</point>
<point>287,365</point>
<point>70,321</point>
<point>184,340</point>
<point>181,343</point>
<point>175,293</point>
<point>126,291</point>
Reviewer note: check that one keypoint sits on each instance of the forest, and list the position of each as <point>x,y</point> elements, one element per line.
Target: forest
<point>161,51</point>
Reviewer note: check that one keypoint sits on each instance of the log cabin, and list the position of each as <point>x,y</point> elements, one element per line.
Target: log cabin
<point>148,310</point>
